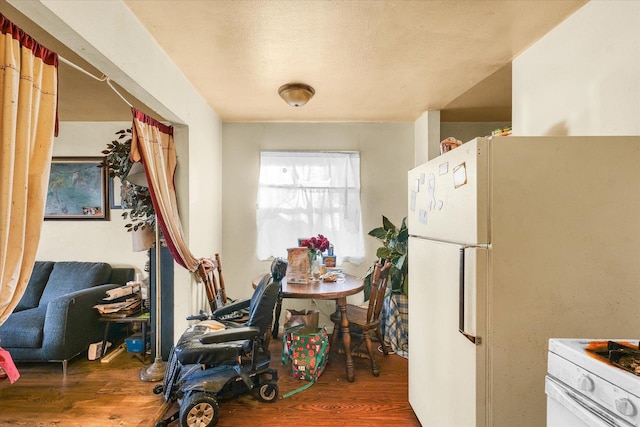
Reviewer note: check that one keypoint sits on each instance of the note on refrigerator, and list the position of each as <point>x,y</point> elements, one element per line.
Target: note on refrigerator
<point>460,175</point>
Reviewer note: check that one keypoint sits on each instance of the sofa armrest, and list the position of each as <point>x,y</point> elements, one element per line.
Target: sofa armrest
<point>71,322</point>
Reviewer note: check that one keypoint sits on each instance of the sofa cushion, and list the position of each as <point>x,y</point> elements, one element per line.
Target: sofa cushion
<point>37,282</point>
<point>24,328</point>
<point>72,276</point>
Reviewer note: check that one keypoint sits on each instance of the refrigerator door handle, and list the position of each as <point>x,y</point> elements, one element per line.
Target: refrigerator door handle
<point>461,301</point>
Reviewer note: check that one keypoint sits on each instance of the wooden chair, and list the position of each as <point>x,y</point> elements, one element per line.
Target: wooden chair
<point>222,291</point>
<point>214,287</point>
<point>366,319</point>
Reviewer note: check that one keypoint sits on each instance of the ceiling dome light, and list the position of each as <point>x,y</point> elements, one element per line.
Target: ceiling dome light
<point>296,94</point>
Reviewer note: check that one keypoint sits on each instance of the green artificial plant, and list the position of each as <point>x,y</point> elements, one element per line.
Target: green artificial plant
<point>395,247</point>
<point>136,200</point>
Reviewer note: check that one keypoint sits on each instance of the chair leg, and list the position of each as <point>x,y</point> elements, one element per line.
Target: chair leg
<point>367,340</point>
<point>64,367</point>
<point>334,339</point>
<point>385,348</point>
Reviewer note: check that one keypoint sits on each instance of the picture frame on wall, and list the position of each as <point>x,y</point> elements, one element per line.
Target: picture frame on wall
<point>77,190</point>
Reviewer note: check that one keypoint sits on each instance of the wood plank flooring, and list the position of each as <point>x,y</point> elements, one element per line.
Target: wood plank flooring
<point>105,395</point>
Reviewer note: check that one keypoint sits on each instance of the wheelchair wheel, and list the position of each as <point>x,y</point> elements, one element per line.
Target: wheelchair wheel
<point>199,410</point>
<point>267,392</point>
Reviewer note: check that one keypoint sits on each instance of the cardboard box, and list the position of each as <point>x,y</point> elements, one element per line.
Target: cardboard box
<point>329,261</point>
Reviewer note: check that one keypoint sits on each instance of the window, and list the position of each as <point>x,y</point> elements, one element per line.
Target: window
<point>303,194</point>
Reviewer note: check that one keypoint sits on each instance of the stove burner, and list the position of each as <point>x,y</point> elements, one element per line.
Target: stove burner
<point>621,355</point>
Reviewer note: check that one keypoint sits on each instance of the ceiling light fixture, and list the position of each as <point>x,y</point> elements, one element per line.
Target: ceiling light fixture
<point>296,94</point>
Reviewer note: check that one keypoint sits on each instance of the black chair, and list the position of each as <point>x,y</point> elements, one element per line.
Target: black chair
<point>205,367</point>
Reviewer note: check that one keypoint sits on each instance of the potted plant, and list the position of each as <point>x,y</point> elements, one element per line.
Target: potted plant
<point>136,199</point>
<point>395,247</point>
<point>394,321</point>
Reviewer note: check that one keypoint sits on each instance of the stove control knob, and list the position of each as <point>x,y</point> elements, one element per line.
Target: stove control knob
<point>625,407</point>
<point>585,383</point>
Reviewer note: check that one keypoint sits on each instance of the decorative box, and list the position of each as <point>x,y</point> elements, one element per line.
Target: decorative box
<point>329,261</point>
<point>134,343</point>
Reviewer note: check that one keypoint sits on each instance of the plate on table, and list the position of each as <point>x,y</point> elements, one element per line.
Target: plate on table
<point>331,277</point>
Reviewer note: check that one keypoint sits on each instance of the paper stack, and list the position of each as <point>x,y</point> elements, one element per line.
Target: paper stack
<point>121,302</point>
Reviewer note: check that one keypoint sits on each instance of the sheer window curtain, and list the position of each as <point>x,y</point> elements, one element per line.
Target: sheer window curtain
<point>302,194</point>
<point>28,122</point>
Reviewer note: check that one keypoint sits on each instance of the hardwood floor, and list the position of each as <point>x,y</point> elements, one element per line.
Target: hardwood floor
<point>104,395</point>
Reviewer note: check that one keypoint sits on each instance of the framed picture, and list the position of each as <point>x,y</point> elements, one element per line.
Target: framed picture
<point>77,189</point>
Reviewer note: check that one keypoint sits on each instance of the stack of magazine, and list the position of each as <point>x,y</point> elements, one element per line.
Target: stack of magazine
<point>121,302</point>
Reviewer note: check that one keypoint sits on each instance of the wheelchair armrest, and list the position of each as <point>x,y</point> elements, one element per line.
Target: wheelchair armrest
<point>230,308</point>
<point>234,334</point>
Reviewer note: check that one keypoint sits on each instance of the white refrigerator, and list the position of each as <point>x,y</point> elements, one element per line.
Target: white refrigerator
<point>513,241</point>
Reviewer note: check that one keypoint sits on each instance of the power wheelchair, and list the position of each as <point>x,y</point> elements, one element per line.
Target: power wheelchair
<point>206,367</point>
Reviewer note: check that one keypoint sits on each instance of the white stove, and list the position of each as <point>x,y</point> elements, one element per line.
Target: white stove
<point>585,389</point>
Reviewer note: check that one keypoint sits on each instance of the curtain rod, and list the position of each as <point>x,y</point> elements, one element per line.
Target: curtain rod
<point>100,79</point>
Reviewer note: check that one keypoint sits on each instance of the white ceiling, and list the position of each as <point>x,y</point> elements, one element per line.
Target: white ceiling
<point>368,60</point>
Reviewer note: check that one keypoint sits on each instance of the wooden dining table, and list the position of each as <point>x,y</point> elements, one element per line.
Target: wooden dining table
<point>319,289</point>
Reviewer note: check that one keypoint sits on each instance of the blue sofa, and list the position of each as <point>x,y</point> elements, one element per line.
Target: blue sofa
<point>55,319</point>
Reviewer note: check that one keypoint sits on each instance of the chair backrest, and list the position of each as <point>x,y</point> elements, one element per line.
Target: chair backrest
<point>279,268</point>
<point>257,293</point>
<point>261,312</point>
<point>222,292</point>
<point>378,290</point>
<point>214,287</point>
<point>265,296</point>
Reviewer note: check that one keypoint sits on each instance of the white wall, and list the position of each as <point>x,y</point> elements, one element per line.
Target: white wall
<point>583,77</point>
<point>106,241</point>
<point>426,138</point>
<point>386,154</point>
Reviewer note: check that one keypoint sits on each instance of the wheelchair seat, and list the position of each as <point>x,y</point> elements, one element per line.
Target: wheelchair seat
<point>227,345</point>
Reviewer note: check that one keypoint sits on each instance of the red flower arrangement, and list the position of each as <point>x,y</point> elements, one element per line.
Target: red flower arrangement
<point>316,244</point>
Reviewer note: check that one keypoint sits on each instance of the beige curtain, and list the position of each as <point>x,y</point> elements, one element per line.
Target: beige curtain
<point>152,143</point>
<point>28,121</point>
